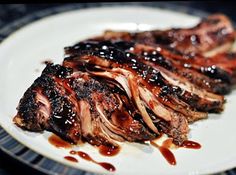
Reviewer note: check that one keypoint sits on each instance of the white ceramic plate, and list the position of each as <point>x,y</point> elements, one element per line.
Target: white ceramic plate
<point>21,57</point>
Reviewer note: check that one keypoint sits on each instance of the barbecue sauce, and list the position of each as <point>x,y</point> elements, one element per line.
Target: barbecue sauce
<point>151,104</point>
<point>164,149</point>
<point>85,156</point>
<point>168,143</point>
<point>121,118</point>
<point>73,152</point>
<point>105,165</point>
<point>70,158</point>
<point>191,144</point>
<point>109,150</point>
<point>167,154</point>
<point>108,51</point>
<point>58,142</point>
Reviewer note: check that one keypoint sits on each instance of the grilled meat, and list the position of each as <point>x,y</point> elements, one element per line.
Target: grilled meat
<point>133,86</point>
<point>76,106</point>
<point>183,67</point>
<point>106,54</point>
<point>210,73</point>
<point>214,34</point>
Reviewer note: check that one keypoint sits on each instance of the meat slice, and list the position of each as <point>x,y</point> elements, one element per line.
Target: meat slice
<point>183,68</point>
<point>213,67</point>
<point>76,107</point>
<point>124,86</point>
<point>214,34</point>
<point>104,104</point>
<point>106,55</point>
<point>192,47</point>
<point>45,107</point>
<point>148,85</point>
<point>214,76</point>
<point>222,65</point>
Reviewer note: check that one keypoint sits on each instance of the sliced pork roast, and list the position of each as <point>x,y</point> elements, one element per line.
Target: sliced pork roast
<point>133,87</point>
<point>76,106</point>
<point>214,34</point>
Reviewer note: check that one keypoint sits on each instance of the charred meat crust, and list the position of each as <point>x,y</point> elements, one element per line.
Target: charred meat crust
<point>95,52</point>
<point>60,111</point>
<point>63,118</point>
<point>27,110</point>
<point>133,86</point>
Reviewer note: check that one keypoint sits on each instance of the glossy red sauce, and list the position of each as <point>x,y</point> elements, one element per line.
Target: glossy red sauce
<point>70,158</point>
<point>85,156</point>
<point>167,154</point>
<point>121,118</point>
<point>151,104</point>
<point>167,143</point>
<point>191,144</point>
<point>107,166</point>
<point>108,150</point>
<point>58,142</point>
<point>73,152</point>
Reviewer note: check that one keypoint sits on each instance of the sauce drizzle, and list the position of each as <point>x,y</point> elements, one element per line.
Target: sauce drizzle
<point>73,152</point>
<point>108,150</point>
<point>191,145</point>
<point>105,165</point>
<point>167,154</point>
<point>151,104</point>
<point>168,143</point>
<point>58,142</point>
<point>70,158</point>
<point>85,156</point>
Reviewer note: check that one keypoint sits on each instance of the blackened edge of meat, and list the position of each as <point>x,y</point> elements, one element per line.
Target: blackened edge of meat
<point>27,110</point>
<point>62,118</point>
<point>217,73</point>
<point>43,107</point>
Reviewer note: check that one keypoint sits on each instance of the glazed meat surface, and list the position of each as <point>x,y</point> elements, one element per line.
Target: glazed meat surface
<point>76,106</point>
<point>133,87</point>
<point>212,35</point>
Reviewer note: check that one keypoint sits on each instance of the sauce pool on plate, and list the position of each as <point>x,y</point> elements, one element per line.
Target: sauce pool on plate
<point>108,150</point>
<point>71,159</point>
<point>85,156</point>
<point>191,144</point>
<point>164,148</point>
<point>58,142</point>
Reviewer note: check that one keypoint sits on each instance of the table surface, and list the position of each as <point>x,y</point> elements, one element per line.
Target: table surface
<point>13,12</point>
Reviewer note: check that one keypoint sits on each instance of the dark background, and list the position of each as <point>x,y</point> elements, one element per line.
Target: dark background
<point>9,13</point>
<point>13,12</point>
